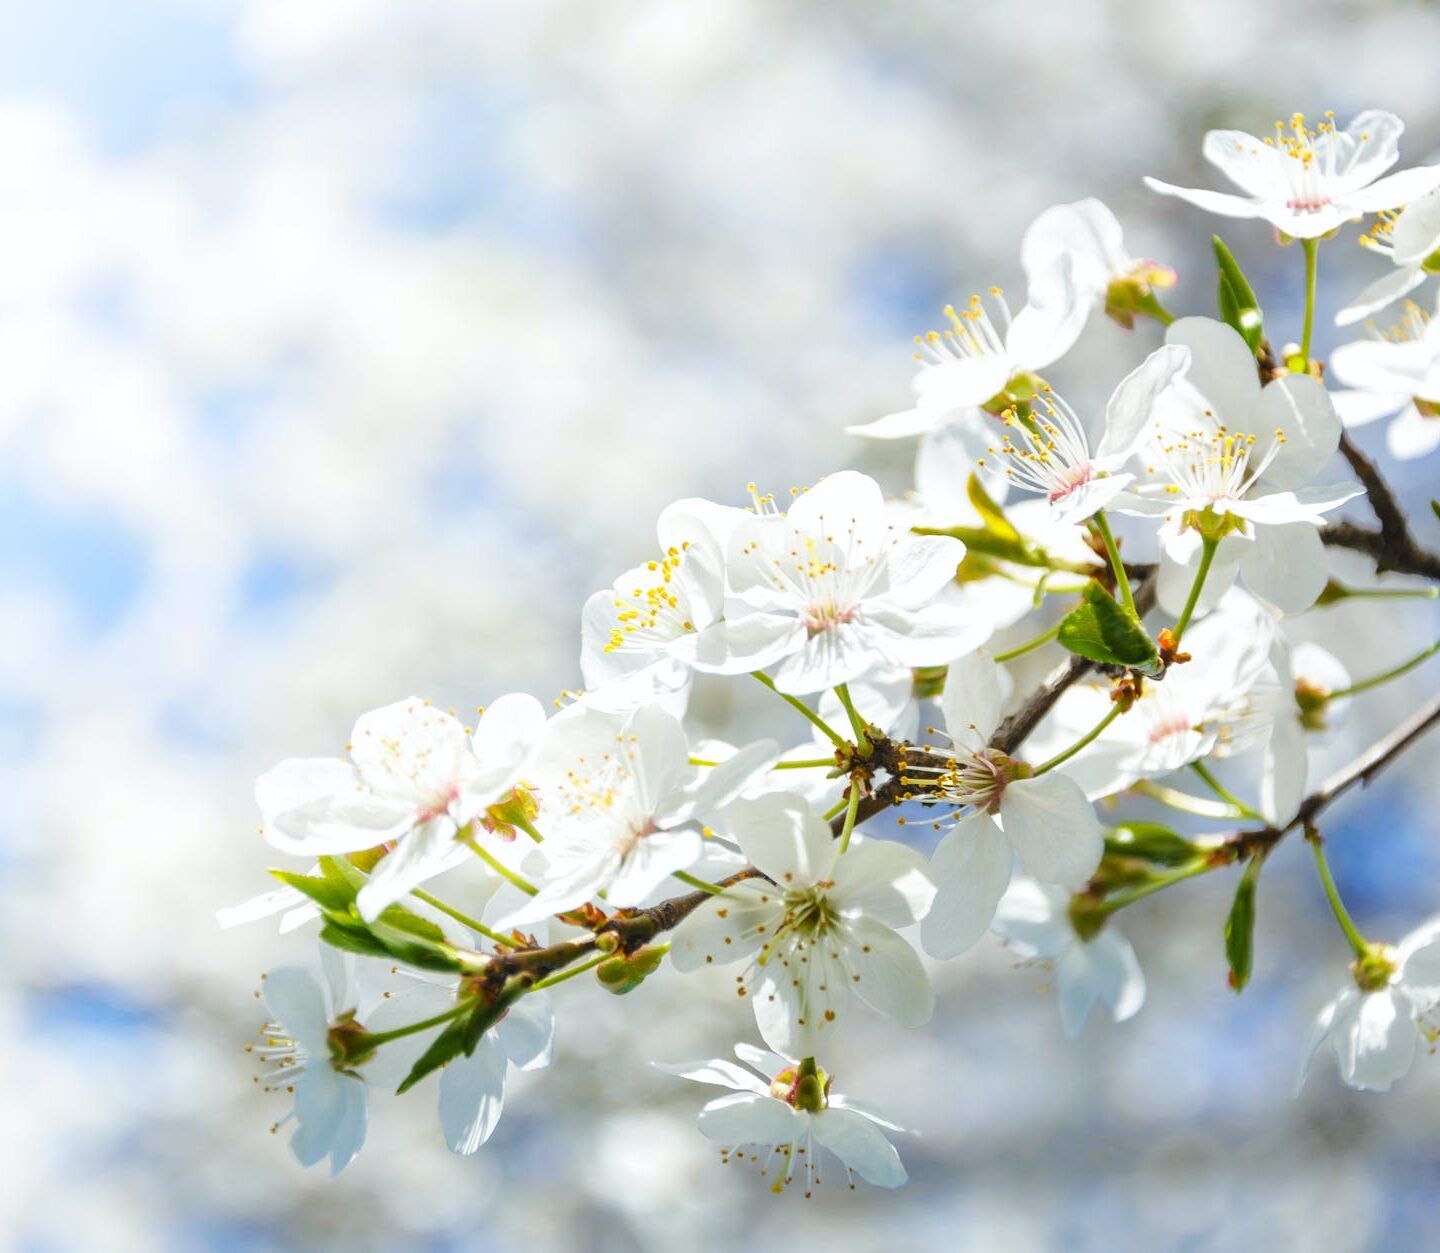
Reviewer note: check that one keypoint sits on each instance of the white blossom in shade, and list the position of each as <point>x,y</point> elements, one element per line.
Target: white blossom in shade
<point>1374,1025</point>
<point>1086,237</point>
<point>1411,239</point>
<point>1046,449</point>
<point>1394,375</point>
<point>1306,182</point>
<point>472,1089</point>
<point>822,928</point>
<point>999,806</point>
<point>767,1111</point>
<point>293,906</point>
<point>330,1099</point>
<point>637,636</point>
<point>414,780</point>
<point>1205,707</point>
<point>973,363</point>
<point>832,589</point>
<point>1227,451</point>
<point>1035,922</point>
<point>621,806</point>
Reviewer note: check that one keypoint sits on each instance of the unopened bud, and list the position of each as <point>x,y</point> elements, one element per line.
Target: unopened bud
<point>1149,841</point>
<point>1313,701</point>
<point>624,974</point>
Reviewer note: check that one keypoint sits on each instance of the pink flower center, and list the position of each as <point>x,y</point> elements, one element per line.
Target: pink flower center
<point>439,803</point>
<point>826,616</point>
<point>1307,204</point>
<point>1176,724</point>
<point>1068,479</point>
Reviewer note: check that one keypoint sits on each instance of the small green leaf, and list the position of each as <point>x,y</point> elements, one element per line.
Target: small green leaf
<point>1240,926</point>
<point>1435,507</point>
<point>1103,630</point>
<point>352,940</point>
<point>445,1047</point>
<point>985,506</point>
<point>416,950</point>
<point>1152,842</point>
<point>333,898</point>
<point>1238,306</point>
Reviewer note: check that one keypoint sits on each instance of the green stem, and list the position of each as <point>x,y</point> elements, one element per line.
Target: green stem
<point>1029,646</point>
<point>1115,711</point>
<point>801,707</point>
<point>1332,894</point>
<point>1112,550</point>
<point>1214,784</point>
<point>852,808</point>
<point>809,763</point>
<point>1312,250</point>
<point>1184,801</point>
<point>696,882</point>
<point>498,866</point>
<point>589,964</point>
<point>474,924</point>
<point>1403,668</point>
<point>524,823</point>
<point>838,808</point>
<point>376,1038</point>
<point>1160,882</point>
<point>857,723</point>
<point>1207,555</point>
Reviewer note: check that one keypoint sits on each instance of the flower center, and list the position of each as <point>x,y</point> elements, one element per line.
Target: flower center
<point>1045,450</point>
<point>826,615</point>
<point>1310,162</point>
<point>1213,465</point>
<point>972,334</point>
<point>439,803</point>
<point>655,612</point>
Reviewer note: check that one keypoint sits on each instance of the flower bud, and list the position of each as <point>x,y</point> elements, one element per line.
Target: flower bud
<point>624,974</point>
<point>1313,701</point>
<point>1149,841</point>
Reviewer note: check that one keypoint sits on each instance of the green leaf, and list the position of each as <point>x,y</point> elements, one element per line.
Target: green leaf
<point>1103,630</point>
<point>342,870</point>
<point>412,924</point>
<point>1152,842</point>
<point>1435,508</point>
<point>333,898</point>
<point>445,1047</point>
<point>1238,306</point>
<point>995,519</point>
<point>1240,926</point>
<point>416,950</point>
<point>352,940</point>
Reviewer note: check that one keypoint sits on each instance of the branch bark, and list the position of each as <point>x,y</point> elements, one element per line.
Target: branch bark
<point>1391,547</point>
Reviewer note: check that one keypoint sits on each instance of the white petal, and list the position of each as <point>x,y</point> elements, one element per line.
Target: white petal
<point>1377,1045</point>
<point>262,906</point>
<point>1048,326</point>
<point>1412,435</point>
<point>1299,406</point>
<point>860,1144</point>
<point>1282,785</point>
<point>746,1118</point>
<point>902,424</point>
<point>650,863</point>
<point>1054,829</point>
<point>1396,190</point>
<point>973,699</point>
<point>1118,976</point>
<point>505,739</point>
<point>409,750</point>
<point>722,1073</point>
<point>1077,988</point>
<point>884,880</point>
<point>782,836</point>
<point>1286,565</point>
<point>1222,367</point>
<point>971,868</point>
<point>301,780</point>
<point>527,1032</point>
<point>1251,165</point>
<point>472,1096</point>
<point>1383,291</point>
<point>1340,1008</point>
<point>419,856</point>
<point>886,973</point>
<point>920,566</point>
<point>1130,411</point>
<point>751,642</point>
<point>341,824</point>
<point>1213,201</point>
<point>1086,232</point>
<point>296,1001</point>
<point>724,929</point>
<point>763,1060</point>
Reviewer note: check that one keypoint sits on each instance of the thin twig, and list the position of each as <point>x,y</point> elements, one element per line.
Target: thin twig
<point>1392,547</point>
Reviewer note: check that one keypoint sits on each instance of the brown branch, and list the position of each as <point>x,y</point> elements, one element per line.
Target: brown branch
<point>1392,547</point>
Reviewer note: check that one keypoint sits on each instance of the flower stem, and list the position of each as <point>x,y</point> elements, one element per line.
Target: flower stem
<point>1029,646</point>
<point>801,707</point>
<point>528,827</point>
<point>1184,801</point>
<point>1332,894</point>
<point>1112,550</point>
<point>474,924</point>
<point>1214,784</point>
<point>1403,668</point>
<point>588,964</point>
<point>857,723</point>
<point>1312,250</point>
<point>1115,711</point>
<point>852,808</point>
<point>1159,883</point>
<point>376,1038</point>
<point>696,882</point>
<point>498,866</point>
<point>1207,555</point>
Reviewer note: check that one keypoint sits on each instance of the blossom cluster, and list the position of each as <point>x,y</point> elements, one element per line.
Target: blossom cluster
<point>608,837</point>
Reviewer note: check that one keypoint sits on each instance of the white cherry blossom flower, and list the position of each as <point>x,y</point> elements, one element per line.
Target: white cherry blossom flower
<point>1087,237</point>
<point>1046,450</point>
<point>330,1097</point>
<point>414,780</point>
<point>789,1116</point>
<point>1374,1025</point>
<point>1001,807</point>
<point>1411,239</point>
<point>1226,452</point>
<point>832,589</point>
<point>1035,921</point>
<point>981,357</point>
<point>621,804</point>
<point>638,636</point>
<point>1202,708</point>
<point>821,928</point>
<point>1397,373</point>
<point>1305,182</point>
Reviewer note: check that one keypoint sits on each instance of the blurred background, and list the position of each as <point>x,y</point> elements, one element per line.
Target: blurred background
<point>345,345</point>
